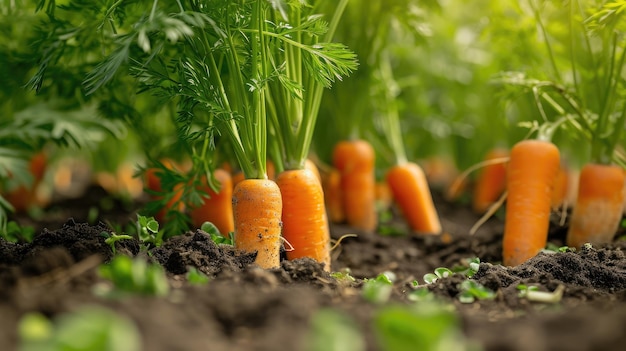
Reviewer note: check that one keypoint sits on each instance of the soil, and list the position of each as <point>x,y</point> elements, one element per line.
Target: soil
<point>247,308</point>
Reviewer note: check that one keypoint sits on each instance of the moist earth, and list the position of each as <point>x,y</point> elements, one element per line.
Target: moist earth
<point>244,307</point>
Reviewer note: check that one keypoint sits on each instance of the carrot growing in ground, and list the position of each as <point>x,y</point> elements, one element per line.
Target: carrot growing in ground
<point>406,180</point>
<point>24,197</point>
<point>332,196</point>
<point>491,182</point>
<point>293,110</point>
<point>599,205</point>
<point>531,171</point>
<point>217,206</point>
<point>355,161</point>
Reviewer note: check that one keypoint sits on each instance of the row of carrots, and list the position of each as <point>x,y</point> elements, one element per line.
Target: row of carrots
<point>532,174</point>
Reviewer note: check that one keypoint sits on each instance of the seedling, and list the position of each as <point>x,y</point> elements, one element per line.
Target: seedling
<point>429,326</point>
<point>90,328</point>
<point>133,276</point>
<point>333,331</point>
<point>473,265</point>
<point>16,233</point>
<point>378,290</point>
<point>532,293</point>
<point>215,234</point>
<point>471,290</point>
<point>148,230</point>
<point>343,275</point>
<point>112,238</point>
<point>195,277</point>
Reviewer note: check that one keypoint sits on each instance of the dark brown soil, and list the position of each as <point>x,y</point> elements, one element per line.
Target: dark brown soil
<point>247,308</point>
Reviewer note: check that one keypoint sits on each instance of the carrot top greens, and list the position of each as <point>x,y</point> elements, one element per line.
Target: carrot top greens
<point>585,84</point>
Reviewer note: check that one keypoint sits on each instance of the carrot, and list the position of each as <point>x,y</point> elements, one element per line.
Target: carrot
<point>153,183</point>
<point>561,185</point>
<point>355,162</point>
<point>218,206</point>
<point>599,206</point>
<point>311,166</point>
<point>332,196</point>
<point>305,225</point>
<point>24,197</point>
<point>491,182</point>
<point>410,190</point>
<point>533,165</point>
<point>257,209</point>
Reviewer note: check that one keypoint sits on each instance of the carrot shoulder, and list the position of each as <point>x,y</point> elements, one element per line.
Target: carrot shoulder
<point>217,208</point>
<point>599,205</point>
<point>410,190</point>
<point>532,168</point>
<point>257,209</point>
<point>305,225</point>
<point>355,161</point>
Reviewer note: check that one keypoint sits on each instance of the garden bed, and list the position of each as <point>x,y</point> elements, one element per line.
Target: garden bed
<point>247,308</point>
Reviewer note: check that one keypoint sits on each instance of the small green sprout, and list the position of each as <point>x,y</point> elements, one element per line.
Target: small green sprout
<point>343,275</point>
<point>425,326</point>
<point>473,265</point>
<point>333,331</point>
<point>89,328</point>
<point>421,294</point>
<point>552,248</point>
<point>215,234</point>
<point>440,272</point>
<point>195,277</point>
<point>378,290</point>
<point>532,293</point>
<point>112,238</point>
<point>15,232</point>
<point>148,230</point>
<point>133,276</point>
<point>472,290</point>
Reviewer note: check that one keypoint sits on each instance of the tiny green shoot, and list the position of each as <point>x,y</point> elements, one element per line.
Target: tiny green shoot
<point>195,277</point>
<point>333,331</point>
<point>89,328</point>
<point>532,293</point>
<point>148,230</point>
<point>133,276</point>
<point>343,275</point>
<point>112,238</point>
<point>378,290</point>
<point>17,233</point>
<point>471,291</point>
<point>215,234</point>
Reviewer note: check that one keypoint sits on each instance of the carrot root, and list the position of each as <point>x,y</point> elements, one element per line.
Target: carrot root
<point>599,205</point>
<point>532,168</point>
<point>257,208</point>
<point>410,190</point>
<point>305,224</point>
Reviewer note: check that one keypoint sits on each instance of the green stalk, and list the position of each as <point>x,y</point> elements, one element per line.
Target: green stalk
<point>390,117</point>
<point>312,107</point>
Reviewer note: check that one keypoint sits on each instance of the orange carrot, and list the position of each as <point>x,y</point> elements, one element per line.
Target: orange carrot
<point>598,209</point>
<point>153,182</point>
<point>24,197</point>
<point>561,185</point>
<point>305,225</point>
<point>533,165</point>
<point>311,166</point>
<point>218,207</point>
<point>257,208</point>
<point>355,161</point>
<point>491,182</point>
<point>410,190</point>
<point>332,196</point>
